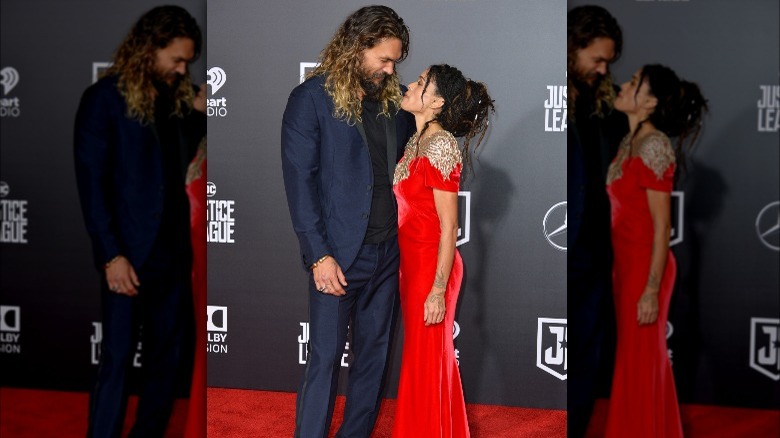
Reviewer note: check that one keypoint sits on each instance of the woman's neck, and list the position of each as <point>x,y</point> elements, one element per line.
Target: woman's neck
<point>639,125</point>
<point>432,127</point>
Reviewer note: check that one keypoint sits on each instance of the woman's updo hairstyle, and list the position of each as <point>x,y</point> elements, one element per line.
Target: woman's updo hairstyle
<point>467,105</point>
<point>680,109</point>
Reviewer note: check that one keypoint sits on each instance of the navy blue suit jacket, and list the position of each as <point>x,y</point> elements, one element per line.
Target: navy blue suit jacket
<point>120,175</point>
<point>328,174</point>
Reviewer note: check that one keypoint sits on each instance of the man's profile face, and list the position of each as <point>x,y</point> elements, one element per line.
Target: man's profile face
<point>592,62</point>
<point>379,63</point>
<point>171,61</point>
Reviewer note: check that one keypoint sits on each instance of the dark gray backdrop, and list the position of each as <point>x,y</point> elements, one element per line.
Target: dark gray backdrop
<point>49,288</point>
<point>514,276</point>
<point>727,284</point>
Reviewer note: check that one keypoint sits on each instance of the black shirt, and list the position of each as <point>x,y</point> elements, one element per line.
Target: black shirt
<point>172,248</point>
<point>382,221</point>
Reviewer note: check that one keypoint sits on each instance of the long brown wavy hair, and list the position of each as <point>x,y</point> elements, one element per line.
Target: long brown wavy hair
<point>583,25</point>
<point>134,61</point>
<point>341,60</point>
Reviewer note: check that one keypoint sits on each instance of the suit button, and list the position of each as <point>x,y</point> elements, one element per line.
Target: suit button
<point>364,216</point>
<point>368,187</point>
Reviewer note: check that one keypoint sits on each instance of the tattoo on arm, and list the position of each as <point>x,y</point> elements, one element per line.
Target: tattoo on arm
<point>653,282</point>
<point>440,281</point>
<point>437,299</point>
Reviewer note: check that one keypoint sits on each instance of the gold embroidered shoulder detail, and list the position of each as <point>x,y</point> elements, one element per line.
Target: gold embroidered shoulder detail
<point>440,148</point>
<point>410,153</point>
<point>616,167</point>
<point>657,153</point>
<point>442,151</point>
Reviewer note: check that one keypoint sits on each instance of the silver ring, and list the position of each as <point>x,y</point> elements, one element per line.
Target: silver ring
<point>114,288</point>
<point>322,289</point>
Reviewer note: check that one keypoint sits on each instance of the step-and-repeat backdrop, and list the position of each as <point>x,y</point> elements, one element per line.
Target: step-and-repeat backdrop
<point>511,323</point>
<point>724,324</point>
<point>50,52</point>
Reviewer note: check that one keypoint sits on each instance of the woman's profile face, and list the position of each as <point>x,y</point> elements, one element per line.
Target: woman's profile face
<point>414,100</point>
<point>634,98</point>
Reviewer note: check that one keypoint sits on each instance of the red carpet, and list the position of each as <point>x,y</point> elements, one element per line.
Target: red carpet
<point>28,413</point>
<point>235,413</point>
<point>32,413</point>
<point>708,422</point>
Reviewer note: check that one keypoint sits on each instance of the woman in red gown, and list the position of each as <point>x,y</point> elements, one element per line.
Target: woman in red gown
<point>639,183</point>
<point>445,105</point>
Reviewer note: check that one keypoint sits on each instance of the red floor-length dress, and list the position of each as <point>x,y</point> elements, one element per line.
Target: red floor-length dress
<point>643,403</point>
<point>430,396</point>
<point>196,192</point>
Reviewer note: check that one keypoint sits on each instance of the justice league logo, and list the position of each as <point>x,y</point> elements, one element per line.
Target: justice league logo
<point>768,107</point>
<point>765,346</point>
<point>305,68</point>
<point>303,346</point>
<point>551,350</point>
<point>768,226</point>
<point>677,206</point>
<point>13,217</point>
<point>554,226</point>
<point>464,218</point>
<point>96,341</point>
<point>98,68</point>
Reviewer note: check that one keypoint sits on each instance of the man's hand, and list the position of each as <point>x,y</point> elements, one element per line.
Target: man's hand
<point>121,277</point>
<point>328,277</point>
<point>199,103</point>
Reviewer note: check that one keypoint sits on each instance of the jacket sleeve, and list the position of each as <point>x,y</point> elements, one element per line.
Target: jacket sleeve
<point>301,171</point>
<point>92,153</point>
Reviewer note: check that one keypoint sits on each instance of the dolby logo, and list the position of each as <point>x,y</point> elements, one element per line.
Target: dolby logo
<point>10,318</point>
<point>217,319</point>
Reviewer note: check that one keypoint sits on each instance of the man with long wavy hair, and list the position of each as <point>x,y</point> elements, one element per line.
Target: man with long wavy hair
<point>594,42</point>
<point>136,131</point>
<point>342,135</point>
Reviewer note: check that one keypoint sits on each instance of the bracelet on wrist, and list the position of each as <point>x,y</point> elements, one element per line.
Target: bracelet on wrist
<point>110,262</point>
<point>317,263</point>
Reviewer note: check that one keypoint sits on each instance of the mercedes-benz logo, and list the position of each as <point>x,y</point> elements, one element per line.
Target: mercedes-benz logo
<point>554,224</point>
<point>768,226</point>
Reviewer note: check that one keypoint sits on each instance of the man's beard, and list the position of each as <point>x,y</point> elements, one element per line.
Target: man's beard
<point>585,88</point>
<point>373,90</point>
<point>170,80</point>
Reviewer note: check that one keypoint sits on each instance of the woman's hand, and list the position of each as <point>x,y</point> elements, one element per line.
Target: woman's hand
<point>434,306</point>
<point>647,307</point>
